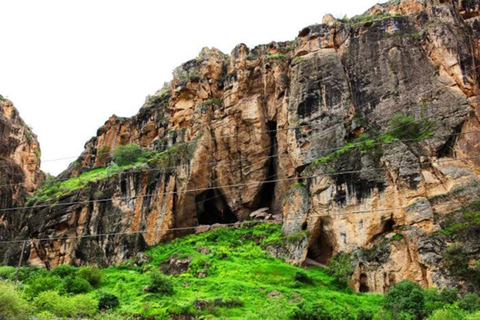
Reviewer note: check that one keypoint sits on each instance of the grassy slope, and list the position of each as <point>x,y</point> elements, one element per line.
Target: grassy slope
<point>237,268</point>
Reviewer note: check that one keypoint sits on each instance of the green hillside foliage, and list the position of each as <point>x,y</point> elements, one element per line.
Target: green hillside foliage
<point>226,275</point>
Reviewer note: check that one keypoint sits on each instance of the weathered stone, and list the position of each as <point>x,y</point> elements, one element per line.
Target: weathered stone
<point>276,127</point>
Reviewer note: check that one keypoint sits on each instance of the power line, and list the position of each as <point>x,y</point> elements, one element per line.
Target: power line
<point>355,144</point>
<point>223,186</point>
<point>276,130</point>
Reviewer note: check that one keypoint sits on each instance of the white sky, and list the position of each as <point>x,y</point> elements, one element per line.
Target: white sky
<point>68,65</point>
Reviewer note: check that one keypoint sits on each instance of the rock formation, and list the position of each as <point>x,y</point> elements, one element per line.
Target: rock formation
<point>19,171</point>
<point>303,128</point>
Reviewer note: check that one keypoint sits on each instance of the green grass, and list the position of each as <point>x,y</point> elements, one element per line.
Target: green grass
<point>52,190</point>
<point>277,56</point>
<point>240,275</point>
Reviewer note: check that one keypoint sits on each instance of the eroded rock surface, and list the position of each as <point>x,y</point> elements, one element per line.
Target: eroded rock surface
<point>260,128</point>
<point>19,172</point>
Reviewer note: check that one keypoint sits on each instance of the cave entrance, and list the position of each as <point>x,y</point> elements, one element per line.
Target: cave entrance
<point>266,195</point>
<point>212,208</point>
<point>363,283</point>
<point>321,246</point>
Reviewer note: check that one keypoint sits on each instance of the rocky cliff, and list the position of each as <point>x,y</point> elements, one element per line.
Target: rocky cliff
<point>361,136</point>
<point>19,170</point>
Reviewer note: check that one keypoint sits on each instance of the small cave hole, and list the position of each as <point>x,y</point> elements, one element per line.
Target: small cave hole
<point>304,226</point>
<point>388,226</point>
<point>321,247</point>
<point>363,283</point>
<point>212,208</point>
<point>304,32</point>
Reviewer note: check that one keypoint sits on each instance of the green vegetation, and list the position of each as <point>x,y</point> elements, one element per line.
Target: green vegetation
<point>212,102</point>
<point>405,127</point>
<point>341,268</point>
<point>470,218</point>
<point>128,154</point>
<point>401,127</point>
<point>277,56</point>
<point>298,60</point>
<point>229,276</point>
<point>366,18</point>
<point>126,157</point>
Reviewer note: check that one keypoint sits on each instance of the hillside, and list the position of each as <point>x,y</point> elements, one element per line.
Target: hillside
<point>356,143</point>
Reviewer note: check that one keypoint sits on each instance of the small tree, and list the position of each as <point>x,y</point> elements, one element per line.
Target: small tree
<point>128,154</point>
<point>341,268</point>
<point>91,274</point>
<point>107,301</point>
<point>405,299</point>
<point>407,128</point>
<point>159,283</point>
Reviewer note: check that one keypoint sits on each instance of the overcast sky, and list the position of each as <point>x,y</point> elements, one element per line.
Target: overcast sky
<point>68,65</point>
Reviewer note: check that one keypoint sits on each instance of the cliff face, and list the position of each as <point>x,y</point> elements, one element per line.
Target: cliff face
<point>284,126</point>
<point>19,170</point>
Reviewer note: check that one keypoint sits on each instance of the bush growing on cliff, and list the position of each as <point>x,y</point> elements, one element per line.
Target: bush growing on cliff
<point>341,268</point>
<point>128,154</point>
<point>405,127</point>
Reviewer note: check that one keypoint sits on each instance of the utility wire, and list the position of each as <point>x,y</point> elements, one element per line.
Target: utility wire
<point>285,129</point>
<point>224,186</point>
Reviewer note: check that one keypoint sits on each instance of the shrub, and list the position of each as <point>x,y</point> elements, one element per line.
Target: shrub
<point>341,268</point>
<point>12,306</point>
<point>456,259</point>
<point>64,271</point>
<point>107,301</point>
<point>318,311</point>
<point>406,127</point>
<point>91,274</point>
<point>470,302</point>
<point>435,300</point>
<point>24,273</point>
<point>159,283</point>
<point>128,154</point>
<point>45,315</point>
<point>406,298</point>
<point>364,314</point>
<point>40,284</point>
<point>62,306</point>
<point>473,316</point>
<point>76,285</point>
<point>84,306</point>
<point>7,273</point>
<point>302,277</point>
<point>447,314</point>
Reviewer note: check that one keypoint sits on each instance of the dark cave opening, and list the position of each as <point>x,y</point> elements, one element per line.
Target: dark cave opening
<point>267,193</point>
<point>212,208</point>
<point>388,226</point>
<point>363,284</point>
<point>321,248</point>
